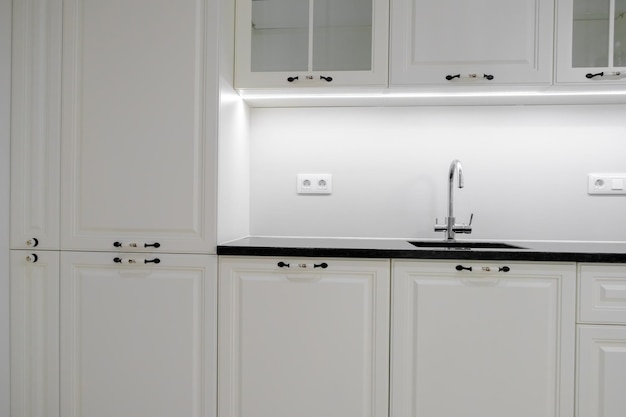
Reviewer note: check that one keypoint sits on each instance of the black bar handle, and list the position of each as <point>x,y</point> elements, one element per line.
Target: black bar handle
<point>281,264</point>
<point>452,77</point>
<point>117,244</point>
<point>504,269</point>
<point>152,245</point>
<point>328,79</point>
<point>153,261</point>
<point>488,76</point>
<point>590,75</point>
<point>463,268</point>
<point>117,260</point>
<point>292,79</point>
<point>323,265</point>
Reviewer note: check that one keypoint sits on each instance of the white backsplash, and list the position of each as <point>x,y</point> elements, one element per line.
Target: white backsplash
<point>525,171</point>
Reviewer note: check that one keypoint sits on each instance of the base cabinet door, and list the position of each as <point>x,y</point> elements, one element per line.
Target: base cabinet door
<point>471,339</point>
<point>300,340</point>
<point>138,339</point>
<point>34,333</point>
<point>601,371</point>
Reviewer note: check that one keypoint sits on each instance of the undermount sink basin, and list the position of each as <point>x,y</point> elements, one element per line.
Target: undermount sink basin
<point>462,244</point>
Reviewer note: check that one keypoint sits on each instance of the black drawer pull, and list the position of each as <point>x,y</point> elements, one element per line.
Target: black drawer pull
<point>153,261</point>
<point>281,264</point>
<point>152,245</point>
<point>323,265</point>
<point>463,268</point>
<point>504,269</point>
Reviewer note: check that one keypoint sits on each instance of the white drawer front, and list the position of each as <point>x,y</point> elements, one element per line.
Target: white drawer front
<point>602,293</point>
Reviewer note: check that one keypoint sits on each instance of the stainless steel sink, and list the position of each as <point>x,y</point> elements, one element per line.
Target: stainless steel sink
<point>460,244</point>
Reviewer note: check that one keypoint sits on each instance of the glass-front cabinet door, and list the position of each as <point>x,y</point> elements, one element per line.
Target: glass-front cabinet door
<point>591,41</point>
<point>310,43</point>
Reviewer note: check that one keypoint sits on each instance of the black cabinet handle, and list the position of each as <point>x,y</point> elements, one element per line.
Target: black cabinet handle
<point>281,264</point>
<point>328,79</point>
<point>292,79</point>
<point>463,268</point>
<point>598,74</point>
<point>32,258</point>
<point>452,77</point>
<point>504,269</point>
<point>117,260</point>
<point>33,242</point>
<point>153,261</point>
<point>117,244</point>
<point>323,265</point>
<point>152,245</point>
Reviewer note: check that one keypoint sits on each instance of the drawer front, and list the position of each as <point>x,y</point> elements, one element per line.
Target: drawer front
<point>602,293</point>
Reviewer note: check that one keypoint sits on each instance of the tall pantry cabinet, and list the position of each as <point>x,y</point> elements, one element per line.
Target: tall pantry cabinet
<point>114,112</point>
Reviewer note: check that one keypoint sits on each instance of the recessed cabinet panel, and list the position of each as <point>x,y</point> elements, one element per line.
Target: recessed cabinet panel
<point>138,125</point>
<point>137,338</point>
<point>34,333</point>
<point>602,293</point>
<point>601,369</point>
<point>484,340</point>
<point>451,42</point>
<point>35,124</point>
<point>301,340</point>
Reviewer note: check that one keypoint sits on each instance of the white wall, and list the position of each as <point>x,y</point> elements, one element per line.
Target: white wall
<point>525,171</point>
<point>5,94</point>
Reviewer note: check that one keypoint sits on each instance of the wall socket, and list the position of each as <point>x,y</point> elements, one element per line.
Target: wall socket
<point>315,184</point>
<point>606,184</point>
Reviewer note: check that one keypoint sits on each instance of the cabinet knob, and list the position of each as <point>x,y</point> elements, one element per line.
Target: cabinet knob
<point>32,258</point>
<point>33,243</point>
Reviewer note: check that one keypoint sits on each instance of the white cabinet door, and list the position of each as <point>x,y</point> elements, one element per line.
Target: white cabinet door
<point>138,339</point>
<point>510,40</point>
<point>34,333</point>
<point>35,124</point>
<point>591,42</point>
<point>303,341</point>
<point>139,124</point>
<point>601,371</point>
<point>482,343</point>
<point>602,293</point>
<point>311,43</point>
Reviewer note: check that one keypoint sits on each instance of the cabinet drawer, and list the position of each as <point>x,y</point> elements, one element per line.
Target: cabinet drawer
<point>602,293</point>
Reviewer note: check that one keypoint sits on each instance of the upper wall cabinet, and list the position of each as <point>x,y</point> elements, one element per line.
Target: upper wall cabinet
<point>483,42</point>
<point>306,43</point>
<point>591,41</point>
<point>35,124</point>
<point>139,121</point>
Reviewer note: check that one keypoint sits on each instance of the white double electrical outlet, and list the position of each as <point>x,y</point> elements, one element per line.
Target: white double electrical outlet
<point>315,184</point>
<point>606,184</point>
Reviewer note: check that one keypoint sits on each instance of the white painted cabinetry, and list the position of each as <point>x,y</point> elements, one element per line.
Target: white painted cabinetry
<point>601,368</point>
<point>138,339</point>
<point>510,40</point>
<point>35,124</point>
<point>139,120</point>
<point>34,333</point>
<point>303,337</point>
<point>591,42</point>
<point>493,341</point>
<point>306,43</point>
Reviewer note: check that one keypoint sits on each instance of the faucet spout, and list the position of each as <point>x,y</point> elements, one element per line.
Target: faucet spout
<point>450,227</point>
<point>455,166</point>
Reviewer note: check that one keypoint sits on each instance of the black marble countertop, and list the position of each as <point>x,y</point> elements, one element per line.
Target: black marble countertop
<point>547,251</point>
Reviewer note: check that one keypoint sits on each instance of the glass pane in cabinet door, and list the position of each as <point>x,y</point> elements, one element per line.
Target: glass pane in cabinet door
<point>280,35</point>
<point>619,53</point>
<point>590,37</point>
<point>342,35</point>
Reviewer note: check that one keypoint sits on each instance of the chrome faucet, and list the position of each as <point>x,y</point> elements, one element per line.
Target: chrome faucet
<point>450,227</point>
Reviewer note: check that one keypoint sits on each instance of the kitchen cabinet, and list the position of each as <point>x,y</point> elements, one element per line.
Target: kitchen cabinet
<point>307,43</point>
<point>138,338</point>
<point>591,41</point>
<point>303,337</point>
<point>455,42</point>
<point>34,333</point>
<point>139,125</point>
<point>482,338</point>
<point>601,349</point>
<point>35,124</point>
